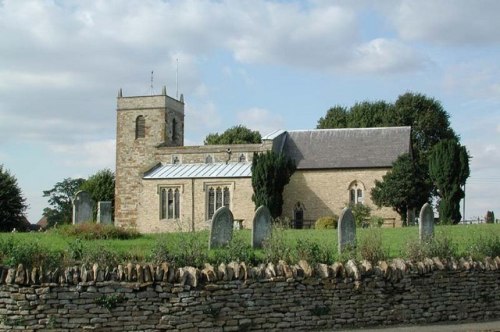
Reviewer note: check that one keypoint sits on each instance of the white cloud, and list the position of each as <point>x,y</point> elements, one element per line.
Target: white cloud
<point>91,154</point>
<point>475,78</point>
<point>451,22</point>
<point>261,119</point>
<point>385,56</point>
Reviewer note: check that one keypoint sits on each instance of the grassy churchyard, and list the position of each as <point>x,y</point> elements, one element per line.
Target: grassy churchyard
<point>70,245</point>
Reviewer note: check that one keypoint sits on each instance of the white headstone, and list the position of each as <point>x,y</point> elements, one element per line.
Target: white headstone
<point>261,227</point>
<point>346,230</point>
<point>221,230</point>
<point>426,222</point>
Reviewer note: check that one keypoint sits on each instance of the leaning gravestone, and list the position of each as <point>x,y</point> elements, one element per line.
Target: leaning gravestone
<point>221,230</point>
<point>261,227</point>
<point>346,230</point>
<point>82,207</point>
<point>104,213</point>
<point>426,223</point>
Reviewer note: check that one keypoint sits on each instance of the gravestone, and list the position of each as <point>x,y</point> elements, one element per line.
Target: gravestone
<point>104,213</point>
<point>82,207</point>
<point>261,227</point>
<point>221,230</point>
<point>346,230</point>
<point>426,223</point>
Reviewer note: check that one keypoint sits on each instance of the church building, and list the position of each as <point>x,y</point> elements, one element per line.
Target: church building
<point>164,186</point>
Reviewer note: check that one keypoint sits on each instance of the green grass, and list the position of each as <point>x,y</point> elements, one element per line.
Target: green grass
<point>192,248</point>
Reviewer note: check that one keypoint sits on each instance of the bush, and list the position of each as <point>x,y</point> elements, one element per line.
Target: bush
<point>190,249</point>
<point>237,250</point>
<point>312,252</point>
<point>30,254</point>
<point>484,246</point>
<point>93,231</point>
<point>376,221</point>
<point>329,222</point>
<point>276,248</point>
<point>361,213</point>
<point>101,255</point>
<point>490,217</point>
<point>371,247</point>
<point>440,245</point>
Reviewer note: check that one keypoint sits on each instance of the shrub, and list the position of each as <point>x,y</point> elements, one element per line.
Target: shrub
<point>440,245</point>
<point>189,249</point>
<point>101,255</point>
<point>361,213</point>
<point>484,246</point>
<point>93,231</point>
<point>30,254</point>
<point>490,217</point>
<point>237,250</point>
<point>371,247</point>
<point>312,252</point>
<point>329,222</point>
<point>276,248</point>
<point>376,221</point>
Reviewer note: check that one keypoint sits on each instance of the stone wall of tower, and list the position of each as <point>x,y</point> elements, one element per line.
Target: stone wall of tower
<point>135,155</point>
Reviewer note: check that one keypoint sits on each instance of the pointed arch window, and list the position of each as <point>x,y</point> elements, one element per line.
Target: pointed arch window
<point>209,159</point>
<point>242,158</point>
<point>170,203</point>
<point>140,127</point>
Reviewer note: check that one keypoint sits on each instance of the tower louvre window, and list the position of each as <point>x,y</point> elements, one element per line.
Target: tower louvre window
<point>140,127</point>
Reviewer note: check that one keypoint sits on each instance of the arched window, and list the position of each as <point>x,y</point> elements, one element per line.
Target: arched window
<point>140,127</point>
<point>170,203</point>
<point>242,158</point>
<point>356,192</point>
<point>209,159</point>
<point>174,129</point>
<point>217,197</point>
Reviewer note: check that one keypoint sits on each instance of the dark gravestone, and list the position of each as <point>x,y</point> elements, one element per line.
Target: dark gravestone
<point>82,207</point>
<point>104,213</point>
<point>426,222</point>
<point>261,227</point>
<point>221,230</point>
<point>346,230</point>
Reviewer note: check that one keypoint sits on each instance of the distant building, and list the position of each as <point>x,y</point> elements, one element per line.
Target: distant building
<point>162,185</point>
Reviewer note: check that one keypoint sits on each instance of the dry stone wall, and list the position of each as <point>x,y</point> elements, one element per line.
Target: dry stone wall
<point>235,297</point>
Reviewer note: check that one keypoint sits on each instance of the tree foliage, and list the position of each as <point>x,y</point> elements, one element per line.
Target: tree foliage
<point>449,169</point>
<point>12,202</point>
<point>101,187</point>
<point>403,187</point>
<point>234,135</point>
<point>271,172</point>
<point>430,124</point>
<point>60,200</point>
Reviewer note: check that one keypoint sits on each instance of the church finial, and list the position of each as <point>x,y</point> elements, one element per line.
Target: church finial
<point>120,93</point>
<point>182,98</point>
<point>164,91</point>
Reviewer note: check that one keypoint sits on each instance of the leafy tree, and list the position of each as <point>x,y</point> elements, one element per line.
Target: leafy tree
<point>336,117</point>
<point>430,124</point>
<point>404,187</point>
<point>100,186</point>
<point>60,200</point>
<point>449,169</point>
<point>271,172</point>
<point>234,135</point>
<point>12,202</point>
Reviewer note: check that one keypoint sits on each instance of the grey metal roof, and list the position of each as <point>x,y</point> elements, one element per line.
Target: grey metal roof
<point>347,148</point>
<point>213,170</point>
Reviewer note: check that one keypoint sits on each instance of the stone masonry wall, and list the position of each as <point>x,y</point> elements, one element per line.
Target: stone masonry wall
<point>324,192</point>
<point>234,297</point>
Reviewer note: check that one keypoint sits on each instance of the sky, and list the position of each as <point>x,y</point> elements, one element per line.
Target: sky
<point>264,64</point>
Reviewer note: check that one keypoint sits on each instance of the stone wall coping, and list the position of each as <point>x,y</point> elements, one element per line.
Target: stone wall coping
<point>141,275</point>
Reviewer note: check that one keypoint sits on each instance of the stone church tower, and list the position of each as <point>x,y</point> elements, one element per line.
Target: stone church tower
<point>143,124</point>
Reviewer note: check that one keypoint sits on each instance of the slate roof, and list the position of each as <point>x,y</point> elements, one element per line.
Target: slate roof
<point>347,148</point>
<point>213,170</point>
